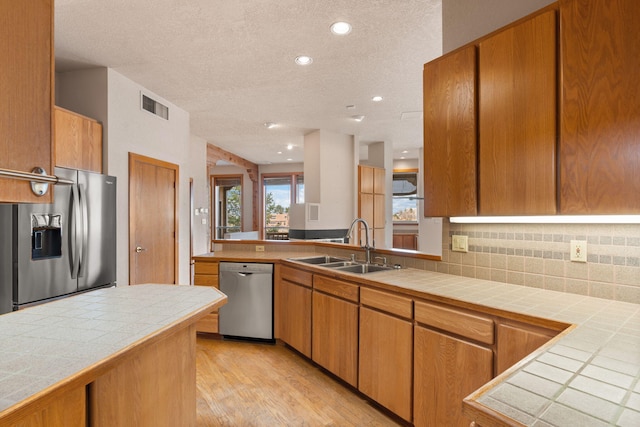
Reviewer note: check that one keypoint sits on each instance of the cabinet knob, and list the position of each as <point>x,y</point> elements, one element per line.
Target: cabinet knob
<point>473,424</point>
<point>140,249</point>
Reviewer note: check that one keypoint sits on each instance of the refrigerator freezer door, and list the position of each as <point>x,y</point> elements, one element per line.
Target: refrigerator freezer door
<point>98,240</point>
<point>45,277</point>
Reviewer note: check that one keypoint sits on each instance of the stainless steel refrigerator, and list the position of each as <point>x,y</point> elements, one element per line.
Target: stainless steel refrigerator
<point>52,250</point>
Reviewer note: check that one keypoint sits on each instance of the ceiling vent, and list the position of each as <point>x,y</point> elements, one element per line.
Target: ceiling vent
<point>153,106</point>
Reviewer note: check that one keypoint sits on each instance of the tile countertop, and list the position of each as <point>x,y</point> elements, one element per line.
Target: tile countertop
<point>46,344</point>
<point>589,376</point>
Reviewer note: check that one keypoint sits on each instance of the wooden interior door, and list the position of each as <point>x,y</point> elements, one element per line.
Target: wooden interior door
<point>153,221</point>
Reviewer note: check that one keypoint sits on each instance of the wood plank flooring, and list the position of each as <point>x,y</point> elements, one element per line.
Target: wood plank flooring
<point>250,384</point>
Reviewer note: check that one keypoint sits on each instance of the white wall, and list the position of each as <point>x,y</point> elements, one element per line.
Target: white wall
<point>328,178</point>
<point>114,100</point>
<point>464,21</point>
<point>198,171</point>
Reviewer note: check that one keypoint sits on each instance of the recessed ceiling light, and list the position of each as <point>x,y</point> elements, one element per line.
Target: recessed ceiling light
<point>303,60</point>
<point>358,118</point>
<point>270,125</point>
<point>376,98</point>
<point>288,160</point>
<point>289,146</point>
<point>405,151</point>
<point>340,28</point>
<point>279,152</point>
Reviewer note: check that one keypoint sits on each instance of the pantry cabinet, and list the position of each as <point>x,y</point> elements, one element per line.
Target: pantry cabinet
<point>78,141</point>
<point>335,327</point>
<point>450,140</point>
<point>293,308</point>
<point>26,85</point>
<point>517,119</point>
<point>371,203</point>
<point>600,132</point>
<point>386,350</point>
<point>452,358</point>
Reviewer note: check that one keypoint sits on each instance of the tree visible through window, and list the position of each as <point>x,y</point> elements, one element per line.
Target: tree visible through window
<point>227,204</point>
<point>280,191</point>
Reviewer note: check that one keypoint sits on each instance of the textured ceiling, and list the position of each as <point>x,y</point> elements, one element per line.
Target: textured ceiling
<point>230,64</point>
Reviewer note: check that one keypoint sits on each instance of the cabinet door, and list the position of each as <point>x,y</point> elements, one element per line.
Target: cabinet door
<point>517,119</point>
<point>206,274</point>
<point>26,81</point>
<point>78,141</point>
<point>600,132</point>
<point>515,343</point>
<point>294,316</point>
<point>335,336</point>
<point>385,371</point>
<point>450,134</point>
<point>446,370</point>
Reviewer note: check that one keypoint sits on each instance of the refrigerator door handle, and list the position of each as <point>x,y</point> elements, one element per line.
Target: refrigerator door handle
<point>84,231</point>
<point>74,224</point>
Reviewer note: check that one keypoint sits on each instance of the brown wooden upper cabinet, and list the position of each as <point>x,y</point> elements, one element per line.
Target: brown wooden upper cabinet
<point>371,195</point>
<point>78,141</point>
<point>517,119</point>
<point>600,131</point>
<point>26,85</point>
<point>490,124</point>
<point>450,137</point>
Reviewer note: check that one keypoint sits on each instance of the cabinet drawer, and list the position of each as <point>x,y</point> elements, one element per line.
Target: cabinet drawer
<point>455,321</point>
<point>338,288</point>
<point>208,324</point>
<point>206,280</point>
<point>206,268</point>
<point>296,276</point>
<point>390,303</point>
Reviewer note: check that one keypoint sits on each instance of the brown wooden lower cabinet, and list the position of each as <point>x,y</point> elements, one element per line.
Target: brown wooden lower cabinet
<point>294,323</point>
<point>516,342</point>
<point>446,370</point>
<point>207,274</point>
<point>335,328</point>
<point>405,241</point>
<point>154,386</point>
<point>385,361</point>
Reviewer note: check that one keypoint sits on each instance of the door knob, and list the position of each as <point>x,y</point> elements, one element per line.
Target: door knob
<point>140,249</point>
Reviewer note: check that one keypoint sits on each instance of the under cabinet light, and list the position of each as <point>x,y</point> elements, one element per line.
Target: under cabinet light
<point>548,219</point>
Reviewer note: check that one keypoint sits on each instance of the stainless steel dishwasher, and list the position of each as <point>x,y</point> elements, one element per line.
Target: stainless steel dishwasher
<point>248,312</point>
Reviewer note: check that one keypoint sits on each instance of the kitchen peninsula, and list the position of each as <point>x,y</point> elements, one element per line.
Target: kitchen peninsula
<point>552,358</point>
<point>115,356</point>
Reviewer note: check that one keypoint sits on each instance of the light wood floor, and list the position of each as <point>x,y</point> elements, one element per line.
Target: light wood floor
<point>249,384</point>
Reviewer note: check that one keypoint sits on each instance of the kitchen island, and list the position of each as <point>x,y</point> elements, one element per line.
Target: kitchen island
<point>116,356</point>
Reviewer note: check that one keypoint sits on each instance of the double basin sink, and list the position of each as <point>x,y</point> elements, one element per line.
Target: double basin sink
<point>343,264</point>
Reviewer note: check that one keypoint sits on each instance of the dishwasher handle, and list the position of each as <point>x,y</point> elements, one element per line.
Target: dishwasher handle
<point>244,274</point>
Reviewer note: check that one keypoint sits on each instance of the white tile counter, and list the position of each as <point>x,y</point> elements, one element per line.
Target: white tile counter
<point>46,344</point>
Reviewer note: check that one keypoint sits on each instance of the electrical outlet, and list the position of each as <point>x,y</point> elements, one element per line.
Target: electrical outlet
<point>259,248</point>
<point>460,243</point>
<point>578,251</point>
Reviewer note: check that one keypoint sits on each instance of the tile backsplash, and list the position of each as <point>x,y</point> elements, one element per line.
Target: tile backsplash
<point>537,255</point>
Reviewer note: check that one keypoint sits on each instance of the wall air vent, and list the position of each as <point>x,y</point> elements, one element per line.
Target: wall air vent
<point>153,106</point>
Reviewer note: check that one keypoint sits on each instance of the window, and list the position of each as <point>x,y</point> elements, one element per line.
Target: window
<point>405,193</point>
<point>227,204</point>
<point>280,191</point>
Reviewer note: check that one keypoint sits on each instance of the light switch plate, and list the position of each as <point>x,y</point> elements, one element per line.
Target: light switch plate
<point>578,250</point>
<point>460,243</point>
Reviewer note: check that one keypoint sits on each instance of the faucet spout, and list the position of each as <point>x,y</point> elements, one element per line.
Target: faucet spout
<point>367,248</point>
